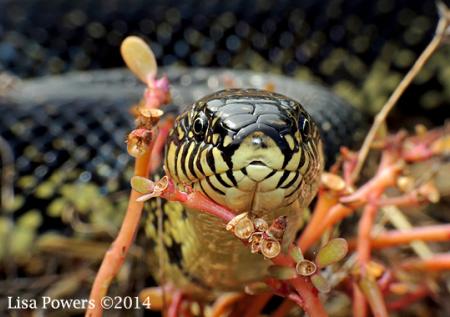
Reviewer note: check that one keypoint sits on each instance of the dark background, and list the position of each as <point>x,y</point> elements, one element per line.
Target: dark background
<point>360,48</point>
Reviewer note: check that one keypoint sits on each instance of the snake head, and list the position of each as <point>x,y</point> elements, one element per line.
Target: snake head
<point>247,149</point>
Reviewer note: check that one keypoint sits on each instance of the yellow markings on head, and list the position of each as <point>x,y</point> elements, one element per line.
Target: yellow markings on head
<point>237,200</point>
<point>247,152</point>
<point>227,140</point>
<point>180,133</point>
<point>288,179</point>
<point>220,164</point>
<point>294,161</point>
<point>211,192</point>
<point>187,159</point>
<point>305,167</point>
<point>215,138</point>
<point>215,182</point>
<point>170,159</point>
<point>270,183</point>
<point>290,141</point>
<point>268,201</point>
<point>196,158</point>
<point>204,163</point>
<point>180,162</point>
<point>246,184</point>
<point>214,121</point>
<point>190,135</point>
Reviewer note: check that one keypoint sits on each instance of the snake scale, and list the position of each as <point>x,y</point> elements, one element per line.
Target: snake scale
<point>66,134</point>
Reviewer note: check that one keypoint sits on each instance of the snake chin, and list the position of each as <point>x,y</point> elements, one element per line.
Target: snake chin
<point>257,188</point>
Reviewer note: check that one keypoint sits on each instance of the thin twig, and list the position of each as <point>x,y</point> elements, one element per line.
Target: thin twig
<point>439,36</point>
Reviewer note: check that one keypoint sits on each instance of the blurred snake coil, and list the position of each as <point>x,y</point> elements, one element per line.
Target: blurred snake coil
<point>62,137</point>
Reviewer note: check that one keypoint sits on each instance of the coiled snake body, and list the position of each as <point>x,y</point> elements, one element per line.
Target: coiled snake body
<point>248,149</point>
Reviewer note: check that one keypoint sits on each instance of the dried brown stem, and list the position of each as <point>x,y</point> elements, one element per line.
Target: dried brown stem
<point>380,118</point>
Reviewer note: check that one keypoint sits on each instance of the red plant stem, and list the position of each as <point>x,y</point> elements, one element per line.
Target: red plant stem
<point>325,201</point>
<point>198,201</point>
<point>359,302</point>
<point>158,149</point>
<point>257,304</point>
<point>283,309</point>
<point>408,299</point>
<point>175,305</point>
<point>309,297</point>
<point>224,302</point>
<point>374,296</point>
<point>385,280</point>
<point>411,199</point>
<point>438,262</point>
<point>385,177</point>
<point>364,230</point>
<point>115,256</point>
<point>399,237</point>
<point>335,214</point>
<point>309,294</point>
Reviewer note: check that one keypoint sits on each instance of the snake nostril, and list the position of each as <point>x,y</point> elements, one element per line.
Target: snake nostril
<point>258,141</point>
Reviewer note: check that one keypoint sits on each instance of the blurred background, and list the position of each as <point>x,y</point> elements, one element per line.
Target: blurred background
<point>360,49</point>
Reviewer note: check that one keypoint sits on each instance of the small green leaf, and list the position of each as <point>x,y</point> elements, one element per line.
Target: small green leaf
<point>320,283</point>
<point>282,272</point>
<point>297,254</point>
<point>334,251</point>
<point>257,288</point>
<point>142,185</point>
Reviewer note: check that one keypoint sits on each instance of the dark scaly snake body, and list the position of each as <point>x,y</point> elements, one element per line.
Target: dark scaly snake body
<point>255,141</point>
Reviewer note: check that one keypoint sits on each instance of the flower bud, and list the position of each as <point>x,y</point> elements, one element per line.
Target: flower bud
<point>241,225</point>
<point>306,268</point>
<point>138,142</point>
<point>260,224</point>
<point>270,248</point>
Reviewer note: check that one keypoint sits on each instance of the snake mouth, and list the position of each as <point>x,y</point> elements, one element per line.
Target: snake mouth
<point>258,163</point>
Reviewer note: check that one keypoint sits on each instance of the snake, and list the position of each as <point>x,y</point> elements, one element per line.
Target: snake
<point>63,136</point>
<point>245,148</point>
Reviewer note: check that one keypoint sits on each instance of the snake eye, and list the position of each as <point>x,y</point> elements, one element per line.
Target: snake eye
<point>304,127</point>
<point>200,125</point>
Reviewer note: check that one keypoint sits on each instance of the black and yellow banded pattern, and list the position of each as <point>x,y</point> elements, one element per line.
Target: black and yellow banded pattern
<point>251,150</point>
